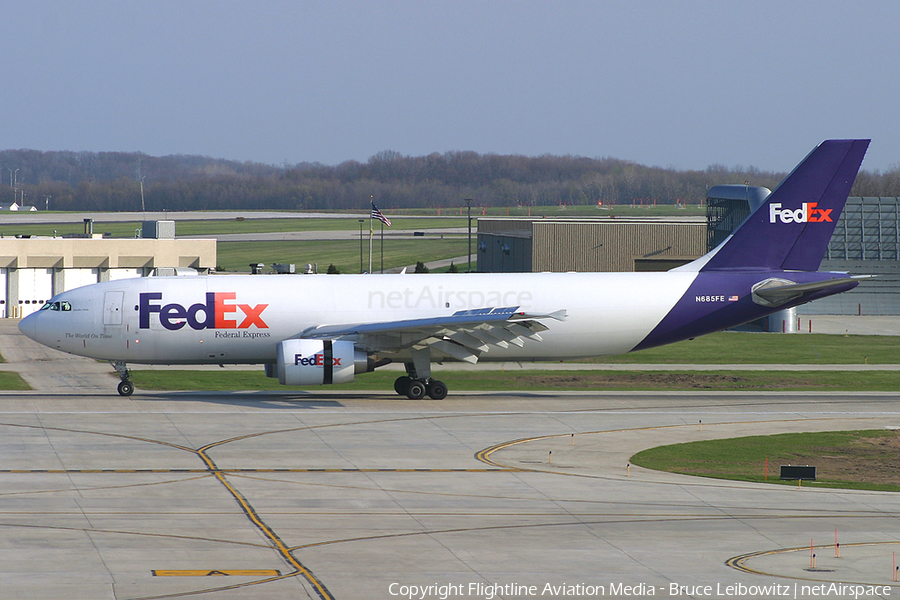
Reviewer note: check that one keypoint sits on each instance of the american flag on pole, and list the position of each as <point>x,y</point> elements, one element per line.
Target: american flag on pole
<point>376,214</point>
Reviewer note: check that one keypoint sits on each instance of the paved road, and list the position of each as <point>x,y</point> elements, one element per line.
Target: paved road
<point>49,370</point>
<point>364,495</point>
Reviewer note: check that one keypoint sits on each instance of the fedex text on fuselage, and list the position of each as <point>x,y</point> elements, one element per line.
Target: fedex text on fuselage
<point>216,313</point>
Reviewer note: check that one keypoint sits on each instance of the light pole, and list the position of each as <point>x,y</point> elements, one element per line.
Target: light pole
<point>361,221</point>
<point>142,193</point>
<point>469,220</point>
<point>371,232</point>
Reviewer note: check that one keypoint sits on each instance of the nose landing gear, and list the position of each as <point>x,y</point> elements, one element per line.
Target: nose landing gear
<point>125,388</point>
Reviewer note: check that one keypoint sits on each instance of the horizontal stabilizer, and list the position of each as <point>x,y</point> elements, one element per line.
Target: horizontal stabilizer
<point>776,292</point>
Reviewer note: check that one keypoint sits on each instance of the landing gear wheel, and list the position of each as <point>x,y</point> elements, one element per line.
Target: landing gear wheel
<point>126,388</point>
<point>416,390</point>
<point>436,390</point>
<point>401,385</point>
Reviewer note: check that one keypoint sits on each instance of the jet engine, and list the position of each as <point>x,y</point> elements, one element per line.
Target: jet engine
<point>320,362</point>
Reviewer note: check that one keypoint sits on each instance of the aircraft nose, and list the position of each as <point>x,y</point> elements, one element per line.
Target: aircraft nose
<point>28,326</point>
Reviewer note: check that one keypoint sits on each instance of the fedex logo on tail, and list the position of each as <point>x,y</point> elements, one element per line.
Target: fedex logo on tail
<point>808,213</point>
<point>218,312</point>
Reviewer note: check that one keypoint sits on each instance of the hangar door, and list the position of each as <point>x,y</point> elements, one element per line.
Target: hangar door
<point>75,278</point>
<point>35,288</point>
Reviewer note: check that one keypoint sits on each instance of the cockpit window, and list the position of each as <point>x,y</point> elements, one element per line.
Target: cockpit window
<point>63,306</point>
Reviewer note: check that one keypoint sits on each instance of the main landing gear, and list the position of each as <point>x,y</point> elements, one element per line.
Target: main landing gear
<point>416,389</point>
<point>417,383</point>
<point>126,388</point>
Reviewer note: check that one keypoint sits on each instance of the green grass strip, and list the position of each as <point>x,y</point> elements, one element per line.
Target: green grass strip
<point>185,228</point>
<point>344,254</point>
<point>731,347</point>
<point>13,382</point>
<point>863,460</point>
<point>491,381</point>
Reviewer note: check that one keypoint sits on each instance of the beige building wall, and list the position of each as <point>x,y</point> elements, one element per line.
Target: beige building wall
<point>34,269</point>
<point>67,253</point>
<point>611,245</point>
<point>590,245</point>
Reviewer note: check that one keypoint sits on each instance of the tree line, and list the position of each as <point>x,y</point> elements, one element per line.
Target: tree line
<point>111,181</point>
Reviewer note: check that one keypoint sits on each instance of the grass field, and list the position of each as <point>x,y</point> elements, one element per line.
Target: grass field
<point>547,381</point>
<point>561,212</point>
<point>12,382</point>
<point>845,459</point>
<point>236,256</point>
<point>229,226</point>
<point>734,347</point>
<point>400,219</point>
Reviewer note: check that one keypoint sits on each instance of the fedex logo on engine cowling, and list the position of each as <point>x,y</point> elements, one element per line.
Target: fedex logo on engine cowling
<point>808,213</point>
<point>218,312</point>
<point>316,360</point>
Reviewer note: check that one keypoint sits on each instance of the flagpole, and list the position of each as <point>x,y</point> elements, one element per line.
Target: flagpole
<point>377,214</point>
<point>370,243</point>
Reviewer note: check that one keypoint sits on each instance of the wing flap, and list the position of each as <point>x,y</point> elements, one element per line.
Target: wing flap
<point>455,351</point>
<point>469,341</point>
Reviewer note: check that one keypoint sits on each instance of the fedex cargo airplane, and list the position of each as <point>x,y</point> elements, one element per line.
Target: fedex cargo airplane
<point>325,329</point>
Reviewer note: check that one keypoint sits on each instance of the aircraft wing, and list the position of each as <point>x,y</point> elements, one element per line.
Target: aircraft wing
<point>464,335</point>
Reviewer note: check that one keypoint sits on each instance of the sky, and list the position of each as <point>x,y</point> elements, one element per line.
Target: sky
<point>669,83</point>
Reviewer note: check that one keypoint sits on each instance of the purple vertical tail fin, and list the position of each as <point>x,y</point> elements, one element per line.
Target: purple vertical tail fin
<point>792,228</point>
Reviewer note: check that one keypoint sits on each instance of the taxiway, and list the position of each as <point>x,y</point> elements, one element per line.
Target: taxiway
<point>366,495</point>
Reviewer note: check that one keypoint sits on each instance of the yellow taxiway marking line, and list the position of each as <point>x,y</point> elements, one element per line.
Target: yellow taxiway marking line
<point>217,573</point>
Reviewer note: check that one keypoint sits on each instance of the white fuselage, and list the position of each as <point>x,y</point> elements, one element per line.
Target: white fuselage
<point>607,313</point>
